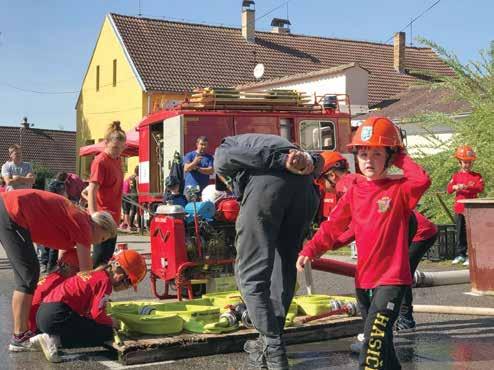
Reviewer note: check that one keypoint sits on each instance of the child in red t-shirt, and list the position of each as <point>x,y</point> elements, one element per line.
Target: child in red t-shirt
<point>74,314</point>
<point>68,265</point>
<point>379,210</point>
<point>335,167</point>
<point>466,184</point>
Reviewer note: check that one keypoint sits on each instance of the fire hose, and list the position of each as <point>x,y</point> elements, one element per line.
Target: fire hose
<point>421,279</point>
<point>453,310</point>
<point>336,308</point>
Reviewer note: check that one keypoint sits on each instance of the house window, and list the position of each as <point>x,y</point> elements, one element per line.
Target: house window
<point>114,72</point>
<point>97,78</point>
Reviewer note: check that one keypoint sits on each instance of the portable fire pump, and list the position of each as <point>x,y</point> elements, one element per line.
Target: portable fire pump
<point>184,253</point>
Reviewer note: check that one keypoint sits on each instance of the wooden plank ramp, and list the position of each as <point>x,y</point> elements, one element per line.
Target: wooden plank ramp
<point>147,349</point>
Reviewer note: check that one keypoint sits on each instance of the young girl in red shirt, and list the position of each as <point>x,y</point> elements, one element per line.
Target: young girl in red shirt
<point>379,210</point>
<point>104,192</point>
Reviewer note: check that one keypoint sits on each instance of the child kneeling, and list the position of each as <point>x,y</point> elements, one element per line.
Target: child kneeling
<point>73,314</point>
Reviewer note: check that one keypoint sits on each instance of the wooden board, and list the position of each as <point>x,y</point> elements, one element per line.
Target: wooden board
<point>146,349</point>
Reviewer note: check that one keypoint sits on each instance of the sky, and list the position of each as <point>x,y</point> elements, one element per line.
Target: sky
<point>46,45</point>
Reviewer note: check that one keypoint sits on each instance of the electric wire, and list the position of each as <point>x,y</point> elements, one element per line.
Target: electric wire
<point>416,18</point>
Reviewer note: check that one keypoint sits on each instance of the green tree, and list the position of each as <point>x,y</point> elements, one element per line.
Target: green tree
<point>472,82</point>
<point>43,175</point>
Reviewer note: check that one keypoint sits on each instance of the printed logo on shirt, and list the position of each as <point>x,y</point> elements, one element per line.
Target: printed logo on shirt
<point>84,275</point>
<point>42,281</point>
<point>384,204</point>
<point>366,133</point>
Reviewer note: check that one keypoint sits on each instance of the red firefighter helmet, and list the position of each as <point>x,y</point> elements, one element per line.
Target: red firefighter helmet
<point>333,160</point>
<point>229,209</point>
<point>133,265</point>
<point>70,259</point>
<point>465,153</point>
<point>377,132</point>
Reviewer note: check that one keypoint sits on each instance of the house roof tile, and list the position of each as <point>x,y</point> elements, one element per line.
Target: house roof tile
<point>178,57</point>
<point>53,149</point>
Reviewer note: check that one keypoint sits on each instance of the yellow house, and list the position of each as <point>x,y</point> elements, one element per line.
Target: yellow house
<point>112,90</point>
<point>140,65</point>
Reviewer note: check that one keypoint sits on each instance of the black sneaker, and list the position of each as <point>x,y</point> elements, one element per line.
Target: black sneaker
<point>405,325</point>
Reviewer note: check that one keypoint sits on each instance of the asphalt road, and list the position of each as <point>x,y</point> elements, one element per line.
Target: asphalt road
<point>440,342</point>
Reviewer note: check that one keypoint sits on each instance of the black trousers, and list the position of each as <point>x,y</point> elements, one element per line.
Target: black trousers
<point>74,330</point>
<point>275,215</point>
<point>49,256</point>
<point>103,252</point>
<point>416,251</point>
<point>461,235</point>
<point>379,308</point>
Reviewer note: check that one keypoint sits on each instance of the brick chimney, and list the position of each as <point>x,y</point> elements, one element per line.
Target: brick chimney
<point>399,51</point>
<point>249,20</point>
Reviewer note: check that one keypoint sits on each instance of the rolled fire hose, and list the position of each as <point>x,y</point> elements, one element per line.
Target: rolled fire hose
<point>453,310</point>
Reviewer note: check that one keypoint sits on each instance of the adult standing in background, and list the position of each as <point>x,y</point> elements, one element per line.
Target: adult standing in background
<point>16,173</point>
<point>198,165</point>
<point>104,192</point>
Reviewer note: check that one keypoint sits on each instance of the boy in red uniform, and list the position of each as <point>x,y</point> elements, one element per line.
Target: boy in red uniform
<point>335,167</point>
<point>68,265</point>
<point>466,184</point>
<point>34,216</point>
<point>379,210</point>
<point>73,314</point>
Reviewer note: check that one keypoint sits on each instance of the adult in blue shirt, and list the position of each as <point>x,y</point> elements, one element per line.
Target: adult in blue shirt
<point>198,165</point>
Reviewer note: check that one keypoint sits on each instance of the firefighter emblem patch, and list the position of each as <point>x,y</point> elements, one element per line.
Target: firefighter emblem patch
<point>366,133</point>
<point>85,276</point>
<point>384,204</point>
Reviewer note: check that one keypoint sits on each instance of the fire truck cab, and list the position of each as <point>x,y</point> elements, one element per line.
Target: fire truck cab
<point>162,134</point>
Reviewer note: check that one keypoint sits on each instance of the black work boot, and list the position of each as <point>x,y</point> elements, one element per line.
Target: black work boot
<point>255,349</point>
<point>275,353</point>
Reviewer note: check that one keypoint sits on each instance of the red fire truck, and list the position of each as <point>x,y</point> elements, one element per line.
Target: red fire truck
<point>319,126</point>
<point>190,257</point>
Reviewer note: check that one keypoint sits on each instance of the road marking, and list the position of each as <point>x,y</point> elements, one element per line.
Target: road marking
<point>114,365</point>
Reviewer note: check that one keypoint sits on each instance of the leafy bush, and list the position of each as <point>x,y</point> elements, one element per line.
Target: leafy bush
<point>43,176</point>
<point>474,83</point>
